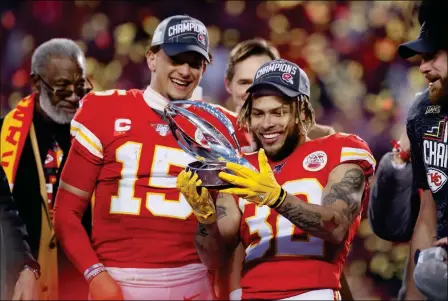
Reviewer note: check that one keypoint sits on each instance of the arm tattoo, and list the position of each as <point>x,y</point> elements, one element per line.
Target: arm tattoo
<point>352,182</point>
<point>311,221</point>
<point>305,219</point>
<point>351,210</point>
<point>221,211</point>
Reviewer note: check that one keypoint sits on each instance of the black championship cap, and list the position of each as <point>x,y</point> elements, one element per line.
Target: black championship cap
<point>181,33</point>
<point>425,43</point>
<point>287,77</point>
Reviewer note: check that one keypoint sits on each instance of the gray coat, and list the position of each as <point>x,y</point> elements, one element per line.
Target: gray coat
<point>394,202</point>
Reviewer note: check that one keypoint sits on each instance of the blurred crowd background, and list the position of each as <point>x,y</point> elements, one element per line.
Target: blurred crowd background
<point>348,49</point>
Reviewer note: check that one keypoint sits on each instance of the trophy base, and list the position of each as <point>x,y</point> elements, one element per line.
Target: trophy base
<point>208,173</point>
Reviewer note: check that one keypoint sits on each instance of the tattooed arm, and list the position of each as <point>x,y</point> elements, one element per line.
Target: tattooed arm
<point>341,202</point>
<point>215,242</point>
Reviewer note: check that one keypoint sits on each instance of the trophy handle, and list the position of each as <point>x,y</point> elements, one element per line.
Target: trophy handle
<point>215,112</point>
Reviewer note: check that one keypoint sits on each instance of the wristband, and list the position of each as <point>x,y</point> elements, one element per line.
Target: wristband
<point>36,272</point>
<point>95,273</point>
<point>91,270</point>
<point>280,200</point>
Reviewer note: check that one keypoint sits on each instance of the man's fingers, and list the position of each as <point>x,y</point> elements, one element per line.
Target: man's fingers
<point>192,187</point>
<point>238,181</point>
<point>182,179</point>
<point>263,162</point>
<point>204,193</point>
<point>194,177</point>
<point>241,171</point>
<point>243,192</point>
<point>442,242</point>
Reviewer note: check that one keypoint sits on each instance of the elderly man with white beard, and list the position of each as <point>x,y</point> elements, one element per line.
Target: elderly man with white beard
<point>35,139</point>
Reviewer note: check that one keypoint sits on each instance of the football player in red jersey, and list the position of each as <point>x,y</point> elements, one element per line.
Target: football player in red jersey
<point>123,151</point>
<point>297,216</point>
<point>242,64</point>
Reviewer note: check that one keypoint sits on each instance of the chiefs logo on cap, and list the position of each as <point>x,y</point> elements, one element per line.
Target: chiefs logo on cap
<point>287,77</point>
<point>201,38</point>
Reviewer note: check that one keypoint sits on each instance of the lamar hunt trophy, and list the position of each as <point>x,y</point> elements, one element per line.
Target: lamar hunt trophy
<point>213,149</point>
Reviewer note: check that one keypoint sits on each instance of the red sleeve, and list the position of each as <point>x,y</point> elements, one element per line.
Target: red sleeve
<point>69,209</point>
<point>87,129</point>
<point>352,149</point>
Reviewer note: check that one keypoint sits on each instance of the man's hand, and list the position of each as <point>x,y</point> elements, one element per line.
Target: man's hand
<point>26,286</point>
<point>401,149</point>
<point>260,188</point>
<point>443,242</point>
<point>104,287</point>
<point>203,207</point>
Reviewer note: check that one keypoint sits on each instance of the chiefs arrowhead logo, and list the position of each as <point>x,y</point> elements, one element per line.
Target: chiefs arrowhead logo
<point>199,138</point>
<point>315,161</point>
<point>201,39</point>
<point>436,179</point>
<point>49,158</point>
<point>287,77</point>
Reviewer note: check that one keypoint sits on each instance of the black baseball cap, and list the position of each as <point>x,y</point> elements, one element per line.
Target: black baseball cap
<point>284,75</point>
<point>181,33</point>
<point>425,43</point>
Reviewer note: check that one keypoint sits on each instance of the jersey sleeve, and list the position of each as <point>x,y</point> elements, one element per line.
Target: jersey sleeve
<point>85,130</point>
<point>353,149</point>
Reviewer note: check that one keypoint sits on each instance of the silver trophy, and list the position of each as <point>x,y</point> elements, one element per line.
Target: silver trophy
<point>209,146</point>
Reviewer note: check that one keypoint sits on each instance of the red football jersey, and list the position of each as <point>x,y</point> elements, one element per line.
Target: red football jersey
<point>140,219</point>
<point>281,260</point>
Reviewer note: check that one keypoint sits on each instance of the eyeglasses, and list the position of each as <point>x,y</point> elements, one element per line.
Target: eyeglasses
<point>64,93</point>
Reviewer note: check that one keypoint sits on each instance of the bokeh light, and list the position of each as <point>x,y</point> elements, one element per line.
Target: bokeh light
<point>8,20</point>
<point>230,37</point>
<point>235,7</point>
<point>348,48</point>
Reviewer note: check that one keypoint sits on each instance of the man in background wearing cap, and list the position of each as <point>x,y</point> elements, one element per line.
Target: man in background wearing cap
<point>244,60</point>
<point>427,131</point>
<point>142,226</point>
<point>304,227</point>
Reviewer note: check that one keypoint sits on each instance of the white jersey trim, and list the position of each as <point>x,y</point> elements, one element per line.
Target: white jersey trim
<point>351,154</point>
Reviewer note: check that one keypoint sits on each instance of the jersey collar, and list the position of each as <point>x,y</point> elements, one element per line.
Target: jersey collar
<point>154,100</point>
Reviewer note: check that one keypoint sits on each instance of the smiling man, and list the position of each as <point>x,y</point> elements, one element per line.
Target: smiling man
<point>141,244</point>
<point>297,216</point>
<point>427,129</point>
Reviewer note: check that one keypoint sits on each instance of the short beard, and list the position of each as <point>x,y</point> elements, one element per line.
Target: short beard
<point>440,96</point>
<point>52,111</point>
<point>289,145</point>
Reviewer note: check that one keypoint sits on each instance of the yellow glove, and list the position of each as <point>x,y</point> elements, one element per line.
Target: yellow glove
<point>260,188</point>
<point>202,205</point>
